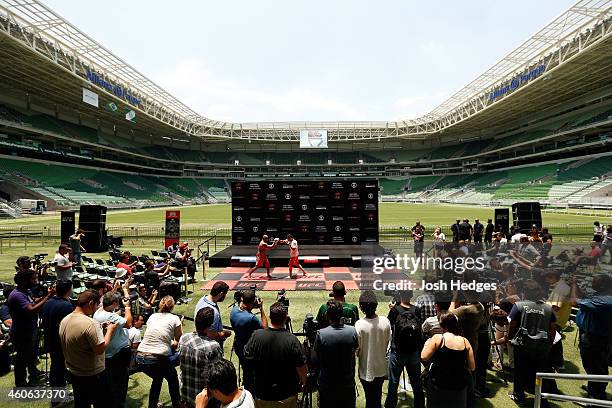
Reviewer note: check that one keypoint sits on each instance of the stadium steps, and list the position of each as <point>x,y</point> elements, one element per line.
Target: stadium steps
<point>392,186</point>
<point>9,210</point>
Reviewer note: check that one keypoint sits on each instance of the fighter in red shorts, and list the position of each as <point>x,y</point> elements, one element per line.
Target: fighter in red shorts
<point>261,259</point>
<point>293,254</point>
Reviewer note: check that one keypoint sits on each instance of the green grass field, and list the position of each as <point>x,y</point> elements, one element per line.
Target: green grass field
<point>391,214</point>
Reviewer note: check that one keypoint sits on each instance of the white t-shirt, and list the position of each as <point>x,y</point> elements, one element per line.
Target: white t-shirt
<point>159,333</point>
<point>134,335</point>
<point>439,239</point>
<point>245,401</point>
<point>516,238</point>
<point>374,337</point>
<point>62,260</point>
<point>293,249</point>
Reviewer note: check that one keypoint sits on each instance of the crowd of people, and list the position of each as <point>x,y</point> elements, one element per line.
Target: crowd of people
<point>445,341</point>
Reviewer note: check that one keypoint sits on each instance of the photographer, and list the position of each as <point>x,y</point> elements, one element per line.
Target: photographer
<point>594,319</point>
<point>24,327</point>
<point>244,323</point>
<point>52,314</point>
<point>217,294</point>
<point>84,343</point>
<point>63,266</point>
<point>350,312</point>
<point>222,386</point>
<point>164,330</point>
<point>196,352</point>
<point>278,360</point>
<point>374,334</point>
<point>153,275</point>
<point>470,313</point>
<point>335,348</point>
<point>532,331</point>
<point>123,264</point>
<point>406,344</point>
<point>117,354</point>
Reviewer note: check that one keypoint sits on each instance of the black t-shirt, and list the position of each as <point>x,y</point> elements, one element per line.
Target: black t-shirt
<point>478,228</point>
<point>489,230</point>
<point>54,310</point>
<point>464,230</point>
<point>275,354</point>
<point>546,237</point>
<point>335,348</point>
<point>394,313</point>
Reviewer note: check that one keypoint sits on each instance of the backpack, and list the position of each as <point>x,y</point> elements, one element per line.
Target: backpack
<point>532,335</point>
<point>407,336</point>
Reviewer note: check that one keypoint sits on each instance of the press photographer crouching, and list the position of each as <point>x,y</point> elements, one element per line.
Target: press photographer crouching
<point>244,323</point>
<point>24,328</point>
<point>222,386</point>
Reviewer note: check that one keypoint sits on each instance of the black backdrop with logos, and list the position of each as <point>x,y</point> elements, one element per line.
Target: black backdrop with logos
<point>315,212</point>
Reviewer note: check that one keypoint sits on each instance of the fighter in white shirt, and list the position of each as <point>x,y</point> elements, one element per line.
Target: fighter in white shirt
<point>293,254</point>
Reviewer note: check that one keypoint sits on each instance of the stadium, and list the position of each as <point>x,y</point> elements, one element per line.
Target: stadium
<point>89,142</point>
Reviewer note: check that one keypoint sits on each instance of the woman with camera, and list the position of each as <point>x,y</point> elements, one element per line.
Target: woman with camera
<point>451,358</point>
<point>164,330</point>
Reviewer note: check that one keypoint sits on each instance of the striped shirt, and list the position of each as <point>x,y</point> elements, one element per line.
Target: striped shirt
<point>195,352</point>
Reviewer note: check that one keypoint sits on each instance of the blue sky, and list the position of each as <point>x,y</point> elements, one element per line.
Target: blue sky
<point>248,61</point>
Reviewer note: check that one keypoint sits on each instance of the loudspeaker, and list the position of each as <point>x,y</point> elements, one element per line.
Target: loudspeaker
<point>502,220</point>
<point>92,220</point>
<point>67,223</point>
<point>526,215</point>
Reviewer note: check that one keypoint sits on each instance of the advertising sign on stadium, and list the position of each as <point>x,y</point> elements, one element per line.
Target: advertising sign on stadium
<point>313,139</point>
<point>90,97</point>
<point>516,82</point>
<point>115,89</point>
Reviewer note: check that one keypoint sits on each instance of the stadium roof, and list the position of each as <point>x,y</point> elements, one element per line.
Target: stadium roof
<point>569,57</point>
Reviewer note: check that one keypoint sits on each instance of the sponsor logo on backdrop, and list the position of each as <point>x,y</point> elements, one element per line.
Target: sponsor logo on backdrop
<point>282,207</point>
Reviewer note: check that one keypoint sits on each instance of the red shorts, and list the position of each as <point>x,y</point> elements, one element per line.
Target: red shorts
<point>294,261</point>
<point>262,261</point>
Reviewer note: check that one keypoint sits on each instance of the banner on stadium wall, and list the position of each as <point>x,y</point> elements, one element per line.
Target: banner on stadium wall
<point>90,98</point>
<point>173,227</point>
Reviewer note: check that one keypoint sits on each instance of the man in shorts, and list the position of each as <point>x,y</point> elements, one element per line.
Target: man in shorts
<point>293,254</point>
<point>261,259</point>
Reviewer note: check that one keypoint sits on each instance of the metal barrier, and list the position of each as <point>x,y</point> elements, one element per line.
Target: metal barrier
<point>201,259</point>
<point>557,397</point>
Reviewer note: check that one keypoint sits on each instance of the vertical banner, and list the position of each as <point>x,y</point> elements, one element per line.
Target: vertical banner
<point>173,227</point>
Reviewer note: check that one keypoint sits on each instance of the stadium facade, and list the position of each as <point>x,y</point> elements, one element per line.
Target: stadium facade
<point>79,125</point>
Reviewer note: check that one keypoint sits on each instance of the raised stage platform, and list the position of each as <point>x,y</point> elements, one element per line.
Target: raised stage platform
<point>310,255</point>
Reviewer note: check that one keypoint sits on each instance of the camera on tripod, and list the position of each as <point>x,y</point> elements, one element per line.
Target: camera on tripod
<point>239,293</point>
<point>281,297</point>
<point>310,327</point>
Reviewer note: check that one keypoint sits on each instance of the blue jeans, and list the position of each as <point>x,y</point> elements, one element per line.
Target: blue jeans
<point>160,368</point>
<point>412,362</point>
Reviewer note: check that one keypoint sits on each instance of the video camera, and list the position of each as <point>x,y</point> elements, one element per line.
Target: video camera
<point>394,294</point>
<point>310,327</point>
<point>281,297</point>
<point>239,293</point>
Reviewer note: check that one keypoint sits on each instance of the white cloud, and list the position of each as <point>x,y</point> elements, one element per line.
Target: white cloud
<point>230,100</point>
